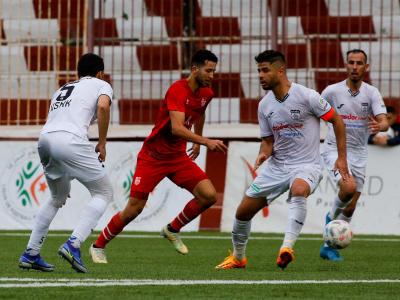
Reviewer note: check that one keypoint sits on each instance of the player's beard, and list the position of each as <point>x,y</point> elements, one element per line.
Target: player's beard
<point>202,83</point>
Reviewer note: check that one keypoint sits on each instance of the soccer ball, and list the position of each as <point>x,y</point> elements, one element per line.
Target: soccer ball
<point>338,234</point>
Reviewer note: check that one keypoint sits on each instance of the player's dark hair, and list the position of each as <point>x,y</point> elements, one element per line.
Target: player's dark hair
<point>390,109</point>
<point>270,56</point>
<point>357,51</point>
<point>89,65</point>
<point>200,56</point>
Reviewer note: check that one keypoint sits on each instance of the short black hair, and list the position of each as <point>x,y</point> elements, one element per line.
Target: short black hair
<point>357,51</point>
<point>89,65</point>
<point>270,56</point>
<point>390,109</point>
<point>200,56</point>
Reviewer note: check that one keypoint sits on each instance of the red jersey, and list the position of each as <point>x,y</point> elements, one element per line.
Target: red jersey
<point>161,143</point>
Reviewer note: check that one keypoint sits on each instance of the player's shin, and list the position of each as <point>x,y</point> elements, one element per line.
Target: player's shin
<point>45,216</point>
<point>113,228</point>
<point>88,220</point>
<point>337,207</point>
<point>296,218</point>
<point>240,237</point>
<point>191,211</point>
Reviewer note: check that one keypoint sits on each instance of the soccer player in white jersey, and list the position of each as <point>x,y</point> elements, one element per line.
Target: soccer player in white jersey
<point>67,154</point>
<point>289,159</point>
<point>363,111</point>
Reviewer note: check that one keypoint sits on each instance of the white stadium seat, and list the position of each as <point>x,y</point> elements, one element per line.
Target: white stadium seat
<point>32,30</point>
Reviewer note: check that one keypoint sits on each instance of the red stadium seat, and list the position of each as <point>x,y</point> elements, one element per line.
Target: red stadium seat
<point>23,111</point>
<point>337,25</point>
<point>138,111</point>
<point>158,57</point>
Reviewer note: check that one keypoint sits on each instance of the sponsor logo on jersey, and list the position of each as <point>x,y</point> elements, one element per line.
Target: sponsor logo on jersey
<point>23,186</point>
<point>323,103</point>
<point>364,107</point>
<point>340,106</point>
<point>295,114</point>
<point>269,116</point>
<point>203,101</point>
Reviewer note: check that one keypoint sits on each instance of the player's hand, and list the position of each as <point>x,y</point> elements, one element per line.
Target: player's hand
<point>380,139</point>
<point>341,166</point>
<point>101,150</point>
<point>194,151</point>
<point>260,159</point>
<point>373,125</point>
<point>216,145</point>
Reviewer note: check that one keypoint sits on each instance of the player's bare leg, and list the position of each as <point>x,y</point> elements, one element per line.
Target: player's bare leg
<point>241,232</point>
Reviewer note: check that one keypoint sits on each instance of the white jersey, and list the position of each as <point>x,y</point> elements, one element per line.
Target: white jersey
<point>294,124</point>
<point>354,108</point>
<point>74,106</point>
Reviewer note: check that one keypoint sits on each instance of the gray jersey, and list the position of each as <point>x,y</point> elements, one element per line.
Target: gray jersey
<point>294,124</point>
<point>74,106</point>
<point>354,108</point>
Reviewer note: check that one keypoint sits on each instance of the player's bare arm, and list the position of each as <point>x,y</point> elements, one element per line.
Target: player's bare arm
<point>340,134</point>
<point>378,123</point>
<point>266,147</point>
<point>198,129</point>
<point>103,118</point>
<point>179,129</point>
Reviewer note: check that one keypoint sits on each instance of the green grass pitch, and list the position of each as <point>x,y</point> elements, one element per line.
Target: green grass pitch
<point>135,257</point>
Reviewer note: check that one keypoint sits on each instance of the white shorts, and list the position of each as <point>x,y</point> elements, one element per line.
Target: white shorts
<point>357,167</point>
<point>273,180</point>
<point>64,154</point>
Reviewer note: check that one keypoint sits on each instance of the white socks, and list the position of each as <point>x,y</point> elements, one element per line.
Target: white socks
<point>337,207</point>
<point>45,215</point>
<point>88,220</point>
<point>240,236</point>
<point>296,217</point>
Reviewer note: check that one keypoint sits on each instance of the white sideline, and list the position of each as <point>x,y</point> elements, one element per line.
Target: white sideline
<point>7,282</point>
<point>204,237</point>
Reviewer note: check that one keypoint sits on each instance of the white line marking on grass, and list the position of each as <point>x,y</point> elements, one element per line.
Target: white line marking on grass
<point>93,282</point>
<point>204,237</point>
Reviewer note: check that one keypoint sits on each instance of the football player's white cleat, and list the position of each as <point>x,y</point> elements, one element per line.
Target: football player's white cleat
<point>98,255</point>
<point>175,240</point>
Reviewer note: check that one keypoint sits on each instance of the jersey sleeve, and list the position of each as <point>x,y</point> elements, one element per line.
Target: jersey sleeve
<point>175,99</point>
<point>377,105</point>
<point>265,129</point>
<point>327,95</point>
<point>318,105</point>
<point>107,90</point>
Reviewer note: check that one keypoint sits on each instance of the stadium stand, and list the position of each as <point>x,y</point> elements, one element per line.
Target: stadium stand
<point>144,43</point>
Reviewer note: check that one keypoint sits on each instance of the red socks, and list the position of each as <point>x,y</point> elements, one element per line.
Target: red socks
<point>189,213</point>
<point>113,228</point>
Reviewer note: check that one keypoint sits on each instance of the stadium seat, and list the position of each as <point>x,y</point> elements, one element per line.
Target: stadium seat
<point>127,10</point>
<point>158,57</point>
<point>223,110</point>
<point>326,53</point>
<point>119,59</point>
<point>248,110</point>
<point>228,8</point>
<point>138,111</point>
<point>142,29</point>
<point>218,28</point>
<point>337,25</point>
<point>363,8</point>
<point>30,86</point>
<point>23,111</point>
<point>59,9</point>
<point>21,9</point>
<point>301,7</point>
<point>32,30</point>
<point>12,60</point>
<point>146,85</point>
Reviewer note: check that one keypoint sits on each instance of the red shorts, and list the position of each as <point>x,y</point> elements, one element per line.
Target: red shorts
<point>150,171</point>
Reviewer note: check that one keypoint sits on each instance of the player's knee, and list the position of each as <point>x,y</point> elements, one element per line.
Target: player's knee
<point>59,201</point>
<point>348,187</point>
<point>300,191</point>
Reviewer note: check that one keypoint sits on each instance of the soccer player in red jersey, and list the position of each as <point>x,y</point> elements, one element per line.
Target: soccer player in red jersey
<point>164,155</point>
